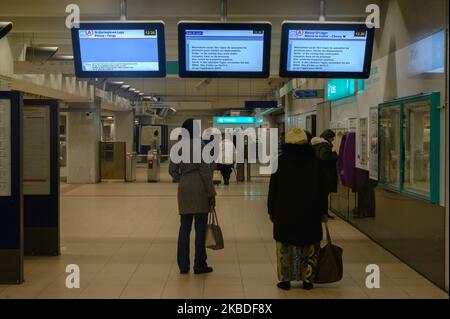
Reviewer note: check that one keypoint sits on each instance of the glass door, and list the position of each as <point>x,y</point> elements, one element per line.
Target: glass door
<point>389,126</point>
<point>416,136</point>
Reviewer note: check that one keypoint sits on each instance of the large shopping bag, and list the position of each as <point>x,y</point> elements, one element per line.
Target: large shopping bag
<point>330,267</point>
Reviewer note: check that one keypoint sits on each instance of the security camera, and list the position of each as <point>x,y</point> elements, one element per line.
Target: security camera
<point>5,27</point>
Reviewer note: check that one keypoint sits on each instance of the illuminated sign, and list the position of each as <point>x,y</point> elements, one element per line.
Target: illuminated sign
<point>235,120</point>
<point>342,88</point>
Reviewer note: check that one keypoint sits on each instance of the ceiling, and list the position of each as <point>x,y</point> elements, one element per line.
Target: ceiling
<point>42,23</point>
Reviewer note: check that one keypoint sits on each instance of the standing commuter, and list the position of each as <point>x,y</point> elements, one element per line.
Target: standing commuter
<point>196,195</point>
<point>328,158</point>
<point>293,207</point>
<point>226,159</point>
<point>155,144</point>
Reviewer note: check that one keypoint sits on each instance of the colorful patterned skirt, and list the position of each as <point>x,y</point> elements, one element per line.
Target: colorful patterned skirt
<point>297,263</point>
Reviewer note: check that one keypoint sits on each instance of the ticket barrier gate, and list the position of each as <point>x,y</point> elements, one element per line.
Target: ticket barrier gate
<point>153,166</point>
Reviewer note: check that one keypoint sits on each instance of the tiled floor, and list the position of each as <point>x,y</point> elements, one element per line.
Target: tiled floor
<point>123,237</point>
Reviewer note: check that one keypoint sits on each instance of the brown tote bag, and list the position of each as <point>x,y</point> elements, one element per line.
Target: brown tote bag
<point>214,237</point>
<point>330,266</point>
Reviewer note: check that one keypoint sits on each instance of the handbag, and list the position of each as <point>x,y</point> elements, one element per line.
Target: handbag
<point>214,237</point>
<point>329,267</point>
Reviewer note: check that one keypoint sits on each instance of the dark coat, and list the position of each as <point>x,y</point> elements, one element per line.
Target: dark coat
<point>328,159</point>
<point>293,200</point>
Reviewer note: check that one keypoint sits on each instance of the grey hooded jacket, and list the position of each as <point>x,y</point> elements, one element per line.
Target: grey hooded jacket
<point>195,186</point>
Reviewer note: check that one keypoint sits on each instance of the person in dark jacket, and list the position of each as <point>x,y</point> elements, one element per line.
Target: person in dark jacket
<point>196,195</point>
<point>328,158</point>
<point>294,208</point>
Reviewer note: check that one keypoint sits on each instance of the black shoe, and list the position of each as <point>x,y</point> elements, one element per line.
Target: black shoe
<point>203,271</point>
<point>183,272</point>
<point>307,285</point>
<point>227,182</point>
<point>285,285</point>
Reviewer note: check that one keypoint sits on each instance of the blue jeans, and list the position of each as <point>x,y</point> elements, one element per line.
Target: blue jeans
<point>183,259</point>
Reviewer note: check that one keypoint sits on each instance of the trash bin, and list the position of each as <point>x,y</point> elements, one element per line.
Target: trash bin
<point>153,168</point>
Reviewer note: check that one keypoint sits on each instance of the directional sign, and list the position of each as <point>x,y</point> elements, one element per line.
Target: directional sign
<point>308,94</point>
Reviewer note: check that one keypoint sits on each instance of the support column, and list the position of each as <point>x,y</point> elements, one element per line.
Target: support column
<point>124,125</point>
<point>83,138</point>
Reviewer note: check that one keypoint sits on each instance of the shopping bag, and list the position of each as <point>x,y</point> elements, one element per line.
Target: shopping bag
<point>217,177</point>
<point>329,267</point>
<point>214,237</point>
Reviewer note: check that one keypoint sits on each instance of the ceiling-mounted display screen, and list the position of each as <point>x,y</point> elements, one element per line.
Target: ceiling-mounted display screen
<point>326,50</point>
<point>224,50</point>
<point>119,49</point>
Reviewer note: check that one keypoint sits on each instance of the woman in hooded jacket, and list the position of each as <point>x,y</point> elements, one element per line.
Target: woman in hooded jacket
<point>328,158</point>
<point>196,196</point>
<point>294,208</point>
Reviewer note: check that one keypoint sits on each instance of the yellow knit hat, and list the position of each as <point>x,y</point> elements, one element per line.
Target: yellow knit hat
<point>296,136</point>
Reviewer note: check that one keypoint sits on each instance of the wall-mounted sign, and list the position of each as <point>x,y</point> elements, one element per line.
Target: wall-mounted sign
<point>308,94</point>
<point>36,150</point>
<point>235,120</point>
<point>5,148</point>
<point>340,88</point>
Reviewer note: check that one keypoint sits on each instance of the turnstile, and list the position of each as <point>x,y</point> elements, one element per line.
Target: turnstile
<point>154,165</point>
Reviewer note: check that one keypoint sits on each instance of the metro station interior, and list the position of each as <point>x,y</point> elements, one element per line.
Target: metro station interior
<point>85,144</point>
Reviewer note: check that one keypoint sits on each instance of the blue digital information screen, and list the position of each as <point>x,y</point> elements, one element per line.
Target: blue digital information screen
<point>220,50</point>
<point>326,50</point>
<point>224,50</point>
<point>119,49</point>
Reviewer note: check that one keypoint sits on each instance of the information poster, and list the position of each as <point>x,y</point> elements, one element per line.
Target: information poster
<point>36,150</point>
<point>373,142</point>
<point>362,156</point>
<point>5,148</point>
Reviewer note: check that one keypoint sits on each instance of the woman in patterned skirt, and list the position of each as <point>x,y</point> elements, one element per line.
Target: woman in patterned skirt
<point>294,208</point>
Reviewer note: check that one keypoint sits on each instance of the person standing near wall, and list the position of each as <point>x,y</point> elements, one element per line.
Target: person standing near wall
<point>294,208</point>
<point>196,195</point>
<point>328,158</point>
